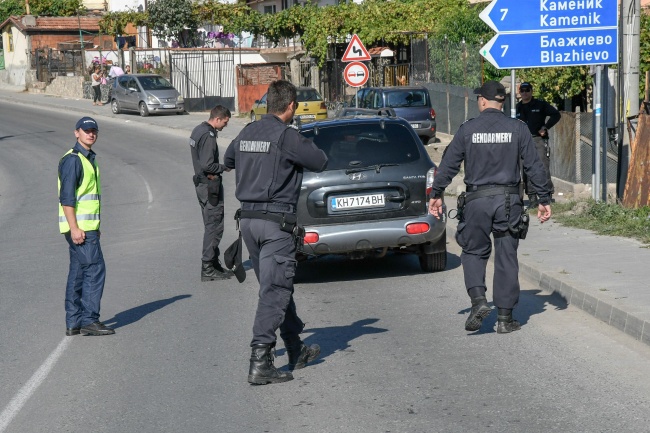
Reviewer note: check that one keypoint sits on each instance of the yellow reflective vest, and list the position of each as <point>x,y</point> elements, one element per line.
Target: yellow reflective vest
<point>89,196</point>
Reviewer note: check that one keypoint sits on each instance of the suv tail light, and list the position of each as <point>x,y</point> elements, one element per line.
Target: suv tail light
<point>417,228</point>
<point>431,175</point>
<point>310,238</point>
<point>432,113</point>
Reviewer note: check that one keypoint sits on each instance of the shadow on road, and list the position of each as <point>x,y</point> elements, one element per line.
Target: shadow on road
<point>337,338</point>
<point>334,268</point>
<point>531,302</point>
<point>136,313</point>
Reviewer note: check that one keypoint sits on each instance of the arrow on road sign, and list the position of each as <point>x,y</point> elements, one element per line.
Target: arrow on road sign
<point>548,15</point>
<point>561,48</point>
<point>356,51</point>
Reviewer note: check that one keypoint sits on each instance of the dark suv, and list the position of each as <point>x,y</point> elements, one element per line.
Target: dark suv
<point>373,195</point>
<point>410,103</point>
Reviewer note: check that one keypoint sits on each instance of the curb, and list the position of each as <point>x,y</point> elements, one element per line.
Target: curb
<point>634,325</point>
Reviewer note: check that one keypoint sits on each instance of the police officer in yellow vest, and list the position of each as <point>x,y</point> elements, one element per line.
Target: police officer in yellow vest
<point>80,195</point>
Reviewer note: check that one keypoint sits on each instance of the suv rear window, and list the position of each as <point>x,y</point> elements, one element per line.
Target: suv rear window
<point>360,145</point>
<point>411,98</point>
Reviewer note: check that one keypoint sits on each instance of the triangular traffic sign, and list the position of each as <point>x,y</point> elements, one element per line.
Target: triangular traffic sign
<point>355,52</point>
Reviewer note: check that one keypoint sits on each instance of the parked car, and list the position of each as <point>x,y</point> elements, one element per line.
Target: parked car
<point>410,103</point>
<point>145,93</point>
<point>311,106</point>
<point>372,197</point>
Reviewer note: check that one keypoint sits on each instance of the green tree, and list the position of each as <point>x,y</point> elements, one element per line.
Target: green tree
<point>56,8</point>
<point>11,7</point>
<point>174,19</point>
<point>114,23</point>
<point>644,49</point>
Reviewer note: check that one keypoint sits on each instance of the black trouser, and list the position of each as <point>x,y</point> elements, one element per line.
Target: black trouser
<point>273,253</point>
<point>212,221</point>
<point>97,93</point>
<point>481,217</point>
<point>540,146</point>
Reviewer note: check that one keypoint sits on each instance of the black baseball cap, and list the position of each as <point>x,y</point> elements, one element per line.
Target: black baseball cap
<point>525,86</point>
<point>87,123</point>
<point>492,91</point>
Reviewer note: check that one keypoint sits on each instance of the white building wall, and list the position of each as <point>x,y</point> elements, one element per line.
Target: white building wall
<point>16,61</point>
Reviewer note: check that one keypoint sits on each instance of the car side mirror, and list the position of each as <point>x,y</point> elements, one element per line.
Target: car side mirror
<point>131,89</point>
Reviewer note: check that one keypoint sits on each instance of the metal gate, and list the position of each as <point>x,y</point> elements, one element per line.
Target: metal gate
<point>205,78</point>
<point>419,59</point>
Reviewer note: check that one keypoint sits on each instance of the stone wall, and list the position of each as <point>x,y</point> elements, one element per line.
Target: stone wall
<point>69,87</point>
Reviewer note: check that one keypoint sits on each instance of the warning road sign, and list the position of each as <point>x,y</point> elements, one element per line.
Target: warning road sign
<point>356,51</point>
<point>356,74</point>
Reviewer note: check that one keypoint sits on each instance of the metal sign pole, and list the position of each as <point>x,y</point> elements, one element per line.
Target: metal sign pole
<point>513,95</point>
<point>597,129</point>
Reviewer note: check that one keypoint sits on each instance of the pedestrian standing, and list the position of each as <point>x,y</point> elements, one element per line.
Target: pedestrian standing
<point>96,78</point>
<point>491,146</point>
<point>80,195</point>
<point>209,190</point>
<point>540,116</point>
<point>270,156</point>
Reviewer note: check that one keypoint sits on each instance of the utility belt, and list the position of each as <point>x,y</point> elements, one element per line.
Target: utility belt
<point>214,186</point>
<point>288,222</point>
<point>518,231</point>
<point>269,207</point>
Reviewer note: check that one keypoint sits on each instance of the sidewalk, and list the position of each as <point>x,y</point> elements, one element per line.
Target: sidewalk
<point>604,276</point>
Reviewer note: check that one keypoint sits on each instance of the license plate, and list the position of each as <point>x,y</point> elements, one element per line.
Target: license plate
<point>169,106</point>
<point>358,202</point>
<point>308,116</point>
<point>415,125</point>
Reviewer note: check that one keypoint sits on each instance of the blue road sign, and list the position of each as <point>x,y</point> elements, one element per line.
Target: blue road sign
<point>551,49</point>
<point>549,15</point>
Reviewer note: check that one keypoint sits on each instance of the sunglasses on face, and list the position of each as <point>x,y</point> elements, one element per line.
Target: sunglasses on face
<point>525,90</point>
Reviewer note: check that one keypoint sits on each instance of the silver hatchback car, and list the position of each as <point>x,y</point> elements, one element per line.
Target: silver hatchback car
<point>145,93</point>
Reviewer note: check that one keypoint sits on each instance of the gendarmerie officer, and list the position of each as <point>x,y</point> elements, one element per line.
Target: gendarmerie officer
<point>492,146</point>
<point>269,156</point>
<point>535,112</point>
<point>209,190</point>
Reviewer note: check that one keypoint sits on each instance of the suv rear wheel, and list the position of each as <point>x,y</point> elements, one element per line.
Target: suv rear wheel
<point>435,262</point>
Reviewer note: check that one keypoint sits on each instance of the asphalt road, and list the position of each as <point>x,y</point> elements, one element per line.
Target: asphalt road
<point>395,355</point>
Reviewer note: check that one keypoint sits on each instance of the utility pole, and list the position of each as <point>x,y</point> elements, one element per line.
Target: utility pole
<point>630,25</point>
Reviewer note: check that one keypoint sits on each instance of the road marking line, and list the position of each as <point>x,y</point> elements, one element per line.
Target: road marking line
<point>149,192</point>
<point>19,400</point>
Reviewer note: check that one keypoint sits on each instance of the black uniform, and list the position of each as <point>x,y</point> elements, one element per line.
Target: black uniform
<point>269,157</point>
<point>205,159</point>
<point>491,146</point>
<point>534,114</point>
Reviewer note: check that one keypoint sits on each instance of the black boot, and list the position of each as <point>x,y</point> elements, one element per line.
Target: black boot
<point>217,265</point>
<point>505,322</point>
<point>299,354</point>
<point>480,310</point>
<point>209,273</point>
<point>262,371</point>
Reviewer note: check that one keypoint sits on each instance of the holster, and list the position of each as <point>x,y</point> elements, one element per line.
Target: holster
<point>460,205</point>
<point>524,223</point>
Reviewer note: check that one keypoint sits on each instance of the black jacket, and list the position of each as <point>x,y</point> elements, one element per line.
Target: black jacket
<point>269,157</point>
<point>491,146</point>
<point>205,153</point>
<point>534,114</point>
